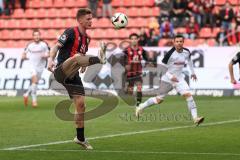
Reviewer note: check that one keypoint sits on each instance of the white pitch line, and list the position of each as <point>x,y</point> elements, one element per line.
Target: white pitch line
<point>122,134</point>
<point>132,152</point>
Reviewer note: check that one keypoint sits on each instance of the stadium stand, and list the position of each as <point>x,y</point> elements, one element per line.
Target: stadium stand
<point>53,16</point>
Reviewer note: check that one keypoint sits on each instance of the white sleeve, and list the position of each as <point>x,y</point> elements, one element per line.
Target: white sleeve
<point>165,70</point>
<point>46,48</point>
<point>27,50</point>
<point>190,64</point>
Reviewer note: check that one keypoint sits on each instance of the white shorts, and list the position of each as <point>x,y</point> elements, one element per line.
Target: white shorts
<point>37,73</point>
<point>165,87</point>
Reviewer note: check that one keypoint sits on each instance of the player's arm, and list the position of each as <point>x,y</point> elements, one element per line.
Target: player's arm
<point>62,41</point>
<point>230,67</point>
<point>24,54</point>
<point>165,65</point>
<point>190,64</point>
<point>125,60</point>
<point>46,54</point>
<point>52,55</point>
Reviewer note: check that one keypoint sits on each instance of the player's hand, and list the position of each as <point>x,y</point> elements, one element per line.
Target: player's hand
<point>127,67</point>
<point>174,79</point>
<point>233,81</point>
<point>24,57</point>
<point>194,77</point>
<point>83,69</point>
<point>50,64</point>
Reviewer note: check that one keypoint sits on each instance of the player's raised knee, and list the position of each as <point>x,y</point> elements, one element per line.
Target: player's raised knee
<point>187,95</point>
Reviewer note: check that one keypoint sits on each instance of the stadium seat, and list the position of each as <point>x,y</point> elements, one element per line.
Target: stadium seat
<point>127,3</point>
<point>215,31</point>
<point>198,42</point>
<point>97,33</point>
<point>25,23</point>
<point>211,42</point>
<point>189,42</point>
<point>5,34</point>
<point>180,30</point>
<point>148,3</point>
<point>138,22</point>
<point>70,22</point>
<point>146,11</point>
<point>220,2</point>
<point>3,44</point>
<point>162,42</point>
<point>18,13</point>
<point>110,33</point>
<point>205,33</point>
<point>59,3</point>
<point>117,3</point>
<point>27,34</point>
<point>133,12</point>
<point>155,11</point>
<point>41,13</point>
<point>234,2</point>
<point>30,13</point>
<point>65,13</point>
<point>121,9</point>
<point>123,33</point>
<point>103,23</point>
<point>39,3</point>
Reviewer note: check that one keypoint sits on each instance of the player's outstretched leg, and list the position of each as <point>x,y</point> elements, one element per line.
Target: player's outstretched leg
<point>25,96</point>
<point>71,66</point>
<point>139,93</point>
<point>79,120</point>
<point>193,109</point>
<point>151,101</point>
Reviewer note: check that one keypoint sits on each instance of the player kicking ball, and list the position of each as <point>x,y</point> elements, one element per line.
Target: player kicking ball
<point>174,62</point>
<point>37,52</point>
<point>72,47</point>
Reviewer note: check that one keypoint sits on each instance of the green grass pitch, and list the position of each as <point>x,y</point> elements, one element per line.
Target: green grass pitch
<point>164,131</point>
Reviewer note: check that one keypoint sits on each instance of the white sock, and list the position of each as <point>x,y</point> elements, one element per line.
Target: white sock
<point>151,101</point>
<point>192,107</point>
<point>34,92</point>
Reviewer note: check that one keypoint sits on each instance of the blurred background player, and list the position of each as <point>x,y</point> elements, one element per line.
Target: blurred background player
<point>134,54</point>
<point>174,62</point>
<point>37,52</point>
<point>72,47</point>
<point>235,60</point>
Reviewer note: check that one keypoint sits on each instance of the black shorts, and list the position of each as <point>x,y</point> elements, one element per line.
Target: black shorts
<point>133,80</point>
<point>73,85</point>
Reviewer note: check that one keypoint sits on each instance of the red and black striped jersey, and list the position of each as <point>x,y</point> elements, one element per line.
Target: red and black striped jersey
<point>133,58</point>
<point>73,42</point>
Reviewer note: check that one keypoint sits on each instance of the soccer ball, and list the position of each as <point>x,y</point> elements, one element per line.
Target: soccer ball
<point>119,20</point>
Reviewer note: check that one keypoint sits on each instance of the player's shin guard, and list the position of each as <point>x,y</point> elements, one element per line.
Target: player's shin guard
<point>139,98</point>
<point>151,101</point>
<point>34,92</point>
<point>192,107</point>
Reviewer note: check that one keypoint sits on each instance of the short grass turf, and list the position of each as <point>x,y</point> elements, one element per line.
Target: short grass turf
<point>168,131</point>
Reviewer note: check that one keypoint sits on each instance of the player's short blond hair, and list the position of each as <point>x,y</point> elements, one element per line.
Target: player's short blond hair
<point>82,12</point>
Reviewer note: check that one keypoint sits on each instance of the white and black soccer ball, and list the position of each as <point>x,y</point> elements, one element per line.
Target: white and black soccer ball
<point>119,20</point>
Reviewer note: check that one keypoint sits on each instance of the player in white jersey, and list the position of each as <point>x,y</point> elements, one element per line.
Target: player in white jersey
<point>173,64</point>
<point>37,52</point>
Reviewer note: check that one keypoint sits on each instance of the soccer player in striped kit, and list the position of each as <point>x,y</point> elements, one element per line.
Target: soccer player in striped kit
<point>134,54</point>
<point>72,47</point>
